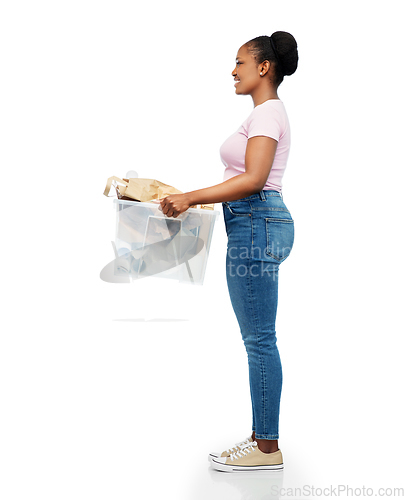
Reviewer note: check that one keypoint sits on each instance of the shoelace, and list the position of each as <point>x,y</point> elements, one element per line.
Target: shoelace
<point>242,444</point>
<point>245,450</point>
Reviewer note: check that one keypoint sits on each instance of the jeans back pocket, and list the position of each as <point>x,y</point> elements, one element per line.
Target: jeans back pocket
<point>280,238</point>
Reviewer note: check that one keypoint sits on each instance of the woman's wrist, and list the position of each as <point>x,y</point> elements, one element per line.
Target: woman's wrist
<point>191,198</point>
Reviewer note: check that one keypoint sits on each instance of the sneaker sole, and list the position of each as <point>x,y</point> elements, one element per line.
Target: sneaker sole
<point>244,468</point>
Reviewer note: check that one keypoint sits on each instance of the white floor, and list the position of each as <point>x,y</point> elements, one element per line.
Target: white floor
<point>102,399</point>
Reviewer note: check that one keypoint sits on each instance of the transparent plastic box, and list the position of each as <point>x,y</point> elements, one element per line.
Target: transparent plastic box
<point>148,243</point>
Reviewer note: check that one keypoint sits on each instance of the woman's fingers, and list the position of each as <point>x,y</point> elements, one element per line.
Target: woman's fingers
<point>169,207</point>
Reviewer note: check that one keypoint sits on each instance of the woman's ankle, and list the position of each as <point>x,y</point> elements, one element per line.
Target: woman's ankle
<point>267,445</point>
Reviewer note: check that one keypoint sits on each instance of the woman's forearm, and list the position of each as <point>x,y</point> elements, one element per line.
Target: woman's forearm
<point>237,187</point>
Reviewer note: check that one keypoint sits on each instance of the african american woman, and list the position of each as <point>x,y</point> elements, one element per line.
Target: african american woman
<point>260,232</point>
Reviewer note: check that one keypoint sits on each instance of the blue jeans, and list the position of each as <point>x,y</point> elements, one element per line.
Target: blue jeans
<point>260,233</point>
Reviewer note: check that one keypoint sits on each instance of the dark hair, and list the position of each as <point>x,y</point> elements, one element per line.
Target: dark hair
<point>280,48</point>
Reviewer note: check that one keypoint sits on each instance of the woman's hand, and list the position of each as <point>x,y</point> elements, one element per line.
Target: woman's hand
<point>175,204</point>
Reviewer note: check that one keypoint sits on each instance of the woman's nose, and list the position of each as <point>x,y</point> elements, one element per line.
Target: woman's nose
<point>234,72</point>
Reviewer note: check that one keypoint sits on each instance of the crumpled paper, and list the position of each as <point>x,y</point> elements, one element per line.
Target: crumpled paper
<point>144,190</point>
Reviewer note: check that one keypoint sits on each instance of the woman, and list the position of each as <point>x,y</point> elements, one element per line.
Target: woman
<point>260,233</point>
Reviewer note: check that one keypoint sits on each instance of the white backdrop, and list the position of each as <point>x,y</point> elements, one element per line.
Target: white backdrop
<point>121,390</point>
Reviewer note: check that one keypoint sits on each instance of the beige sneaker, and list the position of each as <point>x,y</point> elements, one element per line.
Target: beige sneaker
<point>249,458</point>
<point>235,448</point>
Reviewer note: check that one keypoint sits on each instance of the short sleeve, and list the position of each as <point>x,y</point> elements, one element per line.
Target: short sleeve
<point>264,120</point>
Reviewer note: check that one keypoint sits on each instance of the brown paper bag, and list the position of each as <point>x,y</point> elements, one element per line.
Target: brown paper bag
<point>140,189</point>
<point>145,190</point>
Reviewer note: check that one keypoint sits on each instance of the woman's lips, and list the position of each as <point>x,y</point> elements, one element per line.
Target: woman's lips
<point>236,83</point>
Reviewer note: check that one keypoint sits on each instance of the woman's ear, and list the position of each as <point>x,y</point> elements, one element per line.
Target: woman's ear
<point>264,68</point>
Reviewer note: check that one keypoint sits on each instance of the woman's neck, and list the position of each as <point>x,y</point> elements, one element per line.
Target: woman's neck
<point>263,95</point>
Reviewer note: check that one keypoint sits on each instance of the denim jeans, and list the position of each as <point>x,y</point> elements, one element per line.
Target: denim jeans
<point>260,233</point>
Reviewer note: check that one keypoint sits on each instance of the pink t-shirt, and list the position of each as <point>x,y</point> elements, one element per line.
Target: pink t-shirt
<point>268,119</point>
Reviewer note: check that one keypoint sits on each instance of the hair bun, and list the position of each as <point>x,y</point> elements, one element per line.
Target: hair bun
<point>287,52</point>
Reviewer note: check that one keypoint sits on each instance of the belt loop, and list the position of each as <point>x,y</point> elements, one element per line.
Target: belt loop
<point>262,196</point>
